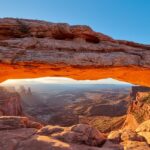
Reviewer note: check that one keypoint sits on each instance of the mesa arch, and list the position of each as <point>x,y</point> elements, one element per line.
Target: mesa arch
<point>31,48</point>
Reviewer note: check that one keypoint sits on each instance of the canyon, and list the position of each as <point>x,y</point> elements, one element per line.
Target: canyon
<point>52,104</point>
<point>33,48</point>
<point>95,130</point>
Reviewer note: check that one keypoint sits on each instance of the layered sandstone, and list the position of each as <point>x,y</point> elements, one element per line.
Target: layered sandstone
<point>10,103</point>
<point>136,89</point>
<point>31,48</point>
<point>139,108</point>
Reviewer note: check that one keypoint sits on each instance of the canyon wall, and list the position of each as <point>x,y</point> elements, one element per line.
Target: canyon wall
<point>10,103</point>
<point>136,89</point>
<point>139,108</point>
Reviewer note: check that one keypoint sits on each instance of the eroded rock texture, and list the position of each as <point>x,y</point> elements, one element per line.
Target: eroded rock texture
<point>20,135</point>
<point>10,103</point>
<point>139,108</point>
<point>31,48</point>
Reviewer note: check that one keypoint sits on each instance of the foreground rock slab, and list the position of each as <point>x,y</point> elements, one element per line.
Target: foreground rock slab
<point>144,130</point>
<point>77,137</point>
<point>15,122</point>
<point>21,136</point>
<point>9,139</point>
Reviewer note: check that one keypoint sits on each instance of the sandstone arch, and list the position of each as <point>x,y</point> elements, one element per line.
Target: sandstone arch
<point>30,48</point>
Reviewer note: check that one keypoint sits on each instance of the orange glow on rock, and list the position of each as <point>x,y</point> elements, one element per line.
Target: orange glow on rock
<point>135,75</point>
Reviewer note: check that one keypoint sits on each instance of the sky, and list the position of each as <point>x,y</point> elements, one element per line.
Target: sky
<point>60,80</point>
<point>120,19</point>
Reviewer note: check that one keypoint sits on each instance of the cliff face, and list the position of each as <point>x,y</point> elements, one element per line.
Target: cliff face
<point>136,89</point>
<point>10,103</point>
<point>139,109</point>
<point>30,48</point>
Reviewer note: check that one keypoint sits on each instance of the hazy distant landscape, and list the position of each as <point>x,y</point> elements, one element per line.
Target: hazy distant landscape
<point>73,102</point>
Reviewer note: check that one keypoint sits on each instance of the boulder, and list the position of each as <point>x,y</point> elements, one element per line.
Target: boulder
<point>48,130</point>
<point>130,135</point>
<point>115,136</point>
<point>84,134</point>
<point>80,134</point>
<point>124,135</point>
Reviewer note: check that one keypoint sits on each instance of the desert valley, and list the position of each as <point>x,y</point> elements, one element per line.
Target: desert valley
<point>67,112</point>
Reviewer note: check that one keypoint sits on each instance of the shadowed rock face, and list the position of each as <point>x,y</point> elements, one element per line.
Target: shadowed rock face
<point>31,48</point>
<point>10,103</point>
<point>136,89</point>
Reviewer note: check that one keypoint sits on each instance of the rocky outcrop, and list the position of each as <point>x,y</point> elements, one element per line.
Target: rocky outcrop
<point>31,48</point>
<point>15,122</point>
<point>80,133</point>
<point>25,91</point>
<point>21,135</point>
<point>77,137</point>
<point>144,130</point>
<point>139,108</point>
<point>14,129</point>
<point>132,139</point>
<point>10,103</point>
<point>130,122</point>
<point>137,89</point>
<point>10,138</point>
<point>124,136</point>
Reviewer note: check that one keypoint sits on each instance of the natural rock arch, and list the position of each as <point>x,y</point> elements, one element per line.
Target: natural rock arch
<point>30,49</point>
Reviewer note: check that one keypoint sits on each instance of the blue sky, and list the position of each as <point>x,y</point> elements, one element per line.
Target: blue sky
<point>121,19</point>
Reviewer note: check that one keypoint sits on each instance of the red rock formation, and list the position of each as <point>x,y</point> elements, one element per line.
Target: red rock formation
<point>10,103</point>
<point>139,109</point>
<point>136,89</point>
<point>30,48</point>
<point>20,136</point>
<point>15,122</point>
<point>50,137</point>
